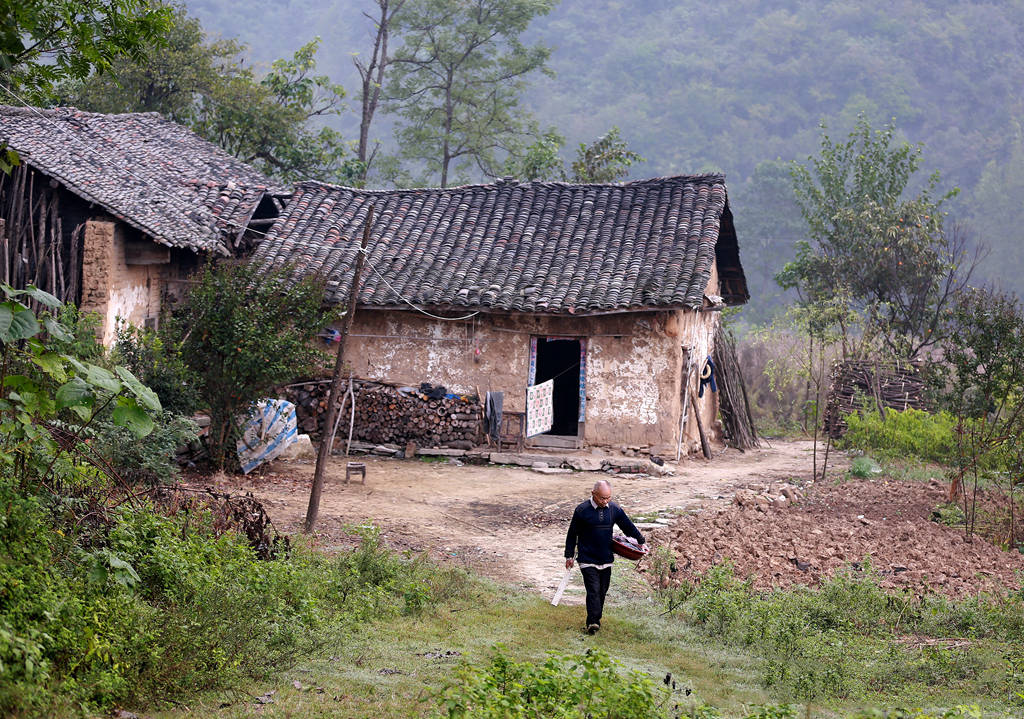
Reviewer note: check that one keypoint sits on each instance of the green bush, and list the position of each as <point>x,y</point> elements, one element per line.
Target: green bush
<point>81,338</point>
<point>157,361</point>
<point>153,607</point>
<point>908,434</point>
<point>569,687</point>
<point>243,332</point>
<point>150,460</point>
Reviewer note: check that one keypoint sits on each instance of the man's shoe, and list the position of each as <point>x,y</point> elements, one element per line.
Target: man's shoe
<point>592,628</point>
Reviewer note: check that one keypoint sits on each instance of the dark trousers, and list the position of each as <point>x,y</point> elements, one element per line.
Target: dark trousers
<point>596,581</point>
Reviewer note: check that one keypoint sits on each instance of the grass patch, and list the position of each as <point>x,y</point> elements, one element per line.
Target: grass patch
<point>910,433</point>
<point>864,468</point>
<point>731,653</point>
<point>853,643</point>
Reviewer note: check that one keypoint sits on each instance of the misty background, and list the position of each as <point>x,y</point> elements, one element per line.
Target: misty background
<point>742,88</point>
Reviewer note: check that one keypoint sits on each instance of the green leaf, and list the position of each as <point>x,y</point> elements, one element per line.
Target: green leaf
<point>83,411</point>
<point>102,378</point>
<point>56,329</point>
<point>97,573</point>
<point>52,364</point>
<point>75,393</point>
<point>19,325</point>
<point>20,382</point>
<point>80,367</point>
<point>42,297</point>
<point>144,394</point>
<point>131,415</point>
<point>6,319</point>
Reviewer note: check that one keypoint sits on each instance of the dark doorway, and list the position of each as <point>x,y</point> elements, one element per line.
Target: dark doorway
<point>559,359</point>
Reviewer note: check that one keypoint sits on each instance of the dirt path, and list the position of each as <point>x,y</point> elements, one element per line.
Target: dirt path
<point>506,522</point>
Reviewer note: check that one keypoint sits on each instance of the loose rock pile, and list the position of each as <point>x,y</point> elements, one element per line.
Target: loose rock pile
<point>764,499</point>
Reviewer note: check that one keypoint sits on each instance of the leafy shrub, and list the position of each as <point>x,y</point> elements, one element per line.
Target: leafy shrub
<point>911,433</point>
<point>243,331</point>
<point>570,687</point>
<point>149,461</point>
<point>81,336</point>
<point>157,361</point>
<point>154,607</point>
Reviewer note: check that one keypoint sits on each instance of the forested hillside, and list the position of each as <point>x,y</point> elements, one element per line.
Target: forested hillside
<point>742,87</point>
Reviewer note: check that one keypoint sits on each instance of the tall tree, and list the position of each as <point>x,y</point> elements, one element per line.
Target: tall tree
<point>178,75</point>
<point>457,80</point>
<point>270,121</point>
<point>371,75</point>
<point>274,122</point>
<point>43,42</point>
<point>883,253</point>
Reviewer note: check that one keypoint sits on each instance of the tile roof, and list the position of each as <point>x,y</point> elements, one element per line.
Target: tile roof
<point>524,247</point>
<point>154,174</point>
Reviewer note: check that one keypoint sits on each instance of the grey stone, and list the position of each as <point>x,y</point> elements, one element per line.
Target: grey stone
<point>302,448</point>
<point>585,464</point>
<point>523,460</point>
<point>441,452</point>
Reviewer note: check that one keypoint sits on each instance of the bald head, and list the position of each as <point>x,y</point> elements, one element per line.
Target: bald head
<point>602,493</point>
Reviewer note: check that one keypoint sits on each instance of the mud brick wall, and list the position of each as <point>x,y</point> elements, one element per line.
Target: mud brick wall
<point>111,286</point>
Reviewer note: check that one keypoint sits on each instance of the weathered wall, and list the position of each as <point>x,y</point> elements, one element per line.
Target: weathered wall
<point>110,286</point>
<point>634,363</point>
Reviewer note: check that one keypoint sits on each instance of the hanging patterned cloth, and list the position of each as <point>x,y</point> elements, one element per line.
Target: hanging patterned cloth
<point>540,408</point>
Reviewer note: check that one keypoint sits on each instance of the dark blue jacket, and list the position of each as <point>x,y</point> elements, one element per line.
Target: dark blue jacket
<point>591,530</point>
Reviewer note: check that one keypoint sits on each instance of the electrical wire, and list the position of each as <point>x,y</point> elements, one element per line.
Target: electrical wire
<point>408,302</point>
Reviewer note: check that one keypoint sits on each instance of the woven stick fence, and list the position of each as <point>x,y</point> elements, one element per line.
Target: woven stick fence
<point>35,246</point>
<point>873,385</point>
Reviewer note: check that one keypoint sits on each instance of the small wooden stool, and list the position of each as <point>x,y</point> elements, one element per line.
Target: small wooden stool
<point>355,468</point>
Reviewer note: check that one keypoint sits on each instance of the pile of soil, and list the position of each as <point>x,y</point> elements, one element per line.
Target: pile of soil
<point>835,526</point>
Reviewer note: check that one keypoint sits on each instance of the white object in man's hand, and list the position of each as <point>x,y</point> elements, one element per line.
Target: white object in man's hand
<point>644,548</point>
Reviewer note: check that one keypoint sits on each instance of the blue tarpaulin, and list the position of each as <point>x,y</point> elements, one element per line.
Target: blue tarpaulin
<point>270,430</point>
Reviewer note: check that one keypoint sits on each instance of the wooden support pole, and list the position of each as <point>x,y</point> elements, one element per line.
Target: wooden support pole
<point>324,451</point>
<point>705,446</point>
<point>686,407</point>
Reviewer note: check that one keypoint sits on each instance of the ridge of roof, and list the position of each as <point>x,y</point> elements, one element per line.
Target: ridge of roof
<point>704,178</point>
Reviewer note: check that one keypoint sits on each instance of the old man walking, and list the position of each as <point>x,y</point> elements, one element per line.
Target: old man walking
<point>590,539</point>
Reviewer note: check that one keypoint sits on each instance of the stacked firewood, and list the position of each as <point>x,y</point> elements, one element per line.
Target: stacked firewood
<point>387,414</point>
<point>310,400</point>
<point>872,385</point>
<point>733,404</point>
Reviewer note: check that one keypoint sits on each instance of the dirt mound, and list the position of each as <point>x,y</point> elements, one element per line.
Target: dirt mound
<point>834,526</point>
